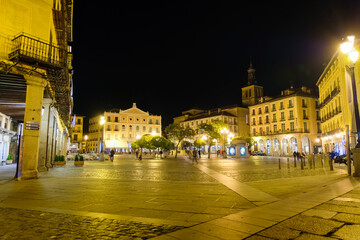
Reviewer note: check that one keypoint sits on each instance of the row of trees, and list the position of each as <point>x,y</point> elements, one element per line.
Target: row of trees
<point>177,134</point>
<point>211,131</point>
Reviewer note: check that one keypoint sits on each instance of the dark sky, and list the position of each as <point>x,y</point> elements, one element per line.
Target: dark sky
<point>169,56</point>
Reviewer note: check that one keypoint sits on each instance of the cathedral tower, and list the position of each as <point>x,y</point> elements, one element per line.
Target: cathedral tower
<point>252,93</point>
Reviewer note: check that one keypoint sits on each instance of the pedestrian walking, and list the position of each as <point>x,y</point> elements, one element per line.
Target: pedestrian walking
<point>195,156</point>
<point>137,154</point>
<point>199,153</point>
<point>112,153</point>
<point>295,154</point>
<point>140,155</point>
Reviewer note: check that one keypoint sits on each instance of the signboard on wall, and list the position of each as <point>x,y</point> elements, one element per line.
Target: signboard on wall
<point>31,125</point>
<point>242,151</point>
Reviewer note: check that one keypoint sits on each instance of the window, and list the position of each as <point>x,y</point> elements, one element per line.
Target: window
<point>266,109</point>
<point>291,103</point>
<point>116,119</point>
<point>275,128</point>
<point>273,107</point>
<point>292,127</point>
<point>304,114</point>
<point>282,116</point>
<point>253,121</point>
<point>247,119</point>
<point>291,113</point>
<point>267,129</point>
<point>254,131</point>
<point>137,128</point>
<point>130,128</point>
<point>283,127</point>
<point>144,128</point>
<point>108,119</point>
<point>259,110</point>
<point>304,103</point>
<point>123,128</point>
<point>79,121</point>
<point>150,121</point>
<point>305,127</point>
<point>157,121</point>
<point>281,105</point>
<point>274,117</point>
<point>253,112</point>
<point>260,120</point>
<point>116,128</point>
<point>75,137</point>
<point>267,119</point>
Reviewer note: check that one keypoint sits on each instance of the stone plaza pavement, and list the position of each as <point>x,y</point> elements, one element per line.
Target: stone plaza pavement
<point>177,199</point>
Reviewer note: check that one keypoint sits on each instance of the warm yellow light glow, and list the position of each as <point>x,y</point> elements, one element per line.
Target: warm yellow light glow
<point>346,47</point>
<point>224,131</point>
<point>231,135</point>
<point>317,140</point>
<point>354,55</point>
<point>204,138</point>
<point>153,133</point>
<point>86,137</point>
<point>102,120</point>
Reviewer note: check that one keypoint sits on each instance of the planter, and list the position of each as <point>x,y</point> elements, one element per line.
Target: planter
<point>59,163</point>
<point>79,163</point>
<point>8,162</point>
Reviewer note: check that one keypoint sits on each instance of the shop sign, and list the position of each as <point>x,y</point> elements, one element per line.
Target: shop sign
<point>30,125</point>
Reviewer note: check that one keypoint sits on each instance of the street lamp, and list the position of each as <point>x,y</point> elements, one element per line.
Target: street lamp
<point>102,142</point>
<point>86,138</point>
<point>224,132</point>
<point>349,49</point>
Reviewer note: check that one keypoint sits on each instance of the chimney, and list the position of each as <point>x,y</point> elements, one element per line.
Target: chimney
<point>134,105</point>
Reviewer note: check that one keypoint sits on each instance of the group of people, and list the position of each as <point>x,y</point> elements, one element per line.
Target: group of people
<point>298,156</point>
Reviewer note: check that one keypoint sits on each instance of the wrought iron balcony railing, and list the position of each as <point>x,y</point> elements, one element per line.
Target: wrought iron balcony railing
<point>30,50</point>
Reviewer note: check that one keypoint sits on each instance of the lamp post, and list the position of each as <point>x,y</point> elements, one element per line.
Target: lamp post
<point>102,142</point>
<point>349,49</point>
<point>86,138</point>
<point>224,132</point>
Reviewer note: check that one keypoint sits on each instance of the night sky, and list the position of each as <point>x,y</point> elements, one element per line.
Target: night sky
<point>169,56</point>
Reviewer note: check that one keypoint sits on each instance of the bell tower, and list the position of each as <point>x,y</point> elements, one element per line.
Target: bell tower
<point>252,93</point>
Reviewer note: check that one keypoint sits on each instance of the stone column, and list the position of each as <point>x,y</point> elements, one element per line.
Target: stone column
<point>356,161</point>
<point>32,120</point>
<point>44,136</point>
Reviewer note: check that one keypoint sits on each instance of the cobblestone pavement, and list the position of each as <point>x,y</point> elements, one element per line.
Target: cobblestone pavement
<point>131,199</point>
<point>27,224</point>
<point>335,219</point>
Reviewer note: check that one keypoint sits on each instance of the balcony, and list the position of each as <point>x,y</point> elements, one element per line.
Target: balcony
<point>32,51</point>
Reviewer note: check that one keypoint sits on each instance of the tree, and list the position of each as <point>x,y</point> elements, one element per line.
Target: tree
<point>199,143</point>
<point>178,133</point>
<point>212,131</point>
<point>143,142</point>
<point>161,142</point>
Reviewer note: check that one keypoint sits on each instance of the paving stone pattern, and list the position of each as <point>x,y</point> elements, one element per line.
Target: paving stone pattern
<point>28,224</point>
<point>335,219</point>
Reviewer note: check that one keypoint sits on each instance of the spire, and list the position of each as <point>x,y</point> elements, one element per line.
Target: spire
<point>251,74</point>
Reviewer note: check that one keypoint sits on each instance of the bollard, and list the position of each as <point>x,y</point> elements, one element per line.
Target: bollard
<point>279,164</point>
<point>331,164</point>
<point>310,161</point>
<point>302,160</point>
<point>294,162</point>
<point>288,163</point>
